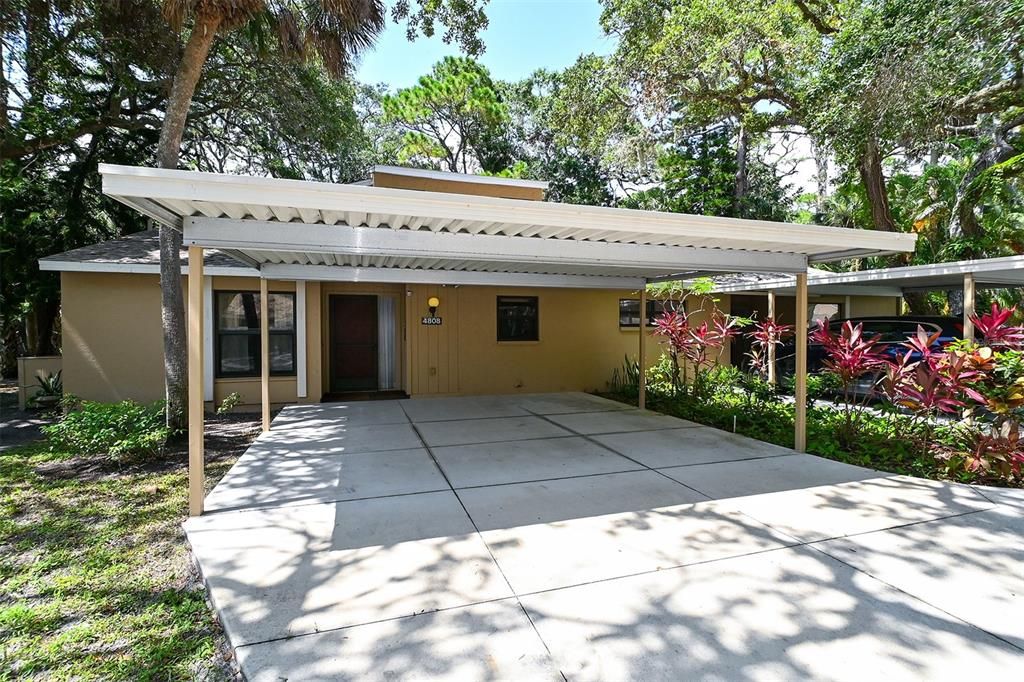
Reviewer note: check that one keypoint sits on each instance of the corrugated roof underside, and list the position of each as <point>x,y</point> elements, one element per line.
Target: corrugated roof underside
<point>286,215</point>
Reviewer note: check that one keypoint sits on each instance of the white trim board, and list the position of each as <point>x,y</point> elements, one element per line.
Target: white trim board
<point>137,268</point>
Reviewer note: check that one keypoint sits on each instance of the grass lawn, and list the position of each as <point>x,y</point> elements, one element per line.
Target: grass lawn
<point>95,580</point>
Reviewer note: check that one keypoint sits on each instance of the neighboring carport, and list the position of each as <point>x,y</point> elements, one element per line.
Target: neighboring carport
<point>969,275</point>
<point>298,230</point>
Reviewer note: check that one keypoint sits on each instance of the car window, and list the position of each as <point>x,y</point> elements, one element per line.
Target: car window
<point>896,331</point>
<point>889,331</point>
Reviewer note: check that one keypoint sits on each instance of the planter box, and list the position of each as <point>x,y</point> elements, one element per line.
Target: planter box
<point>29,369</point>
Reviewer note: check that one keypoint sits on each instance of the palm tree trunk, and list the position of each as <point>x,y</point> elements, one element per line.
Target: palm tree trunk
<point>172,306</point>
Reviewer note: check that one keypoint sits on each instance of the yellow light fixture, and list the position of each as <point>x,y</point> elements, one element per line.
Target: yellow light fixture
<point>432,303</point>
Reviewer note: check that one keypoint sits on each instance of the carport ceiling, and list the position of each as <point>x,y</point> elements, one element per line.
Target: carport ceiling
<point>310,230</point>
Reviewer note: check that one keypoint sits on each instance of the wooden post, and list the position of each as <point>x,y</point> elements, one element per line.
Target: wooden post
<point>771,346</point>
<point>196,460</point>
<point>265,353</point>
<point>969,305</point>
<point>800,393</point>
<point>642,362</point>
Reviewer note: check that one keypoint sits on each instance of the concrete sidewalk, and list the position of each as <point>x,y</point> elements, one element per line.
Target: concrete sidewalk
<point>542,536</point>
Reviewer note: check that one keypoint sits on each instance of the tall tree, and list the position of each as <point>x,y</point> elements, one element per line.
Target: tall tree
<point>453,116</point>
<point>332,31</point>
<point>700,63</point>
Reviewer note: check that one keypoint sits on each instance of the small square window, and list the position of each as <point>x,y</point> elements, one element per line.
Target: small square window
<point>518,318</point>
<point>629,311</point>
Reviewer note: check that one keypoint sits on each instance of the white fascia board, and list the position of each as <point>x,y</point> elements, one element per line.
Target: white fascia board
<point>123,182</point>
<point>254,235</point>
<point>789,290</point>
<point>136,268</point>
<point>459,177</point>
<point>344,273</point>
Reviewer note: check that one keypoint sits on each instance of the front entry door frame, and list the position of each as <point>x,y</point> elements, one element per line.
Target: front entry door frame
<point>353,343</point>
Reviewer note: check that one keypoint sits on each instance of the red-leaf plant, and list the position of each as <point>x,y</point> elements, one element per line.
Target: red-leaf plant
<point>994,454</point>
<point>995,329</point>
<point>766,335</point>
<point>850,356</point>
<point>930,381</point>
<point>697,344</point>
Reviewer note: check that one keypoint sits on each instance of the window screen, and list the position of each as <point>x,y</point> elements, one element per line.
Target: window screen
<point>518,318</point>
<point>238,333</point>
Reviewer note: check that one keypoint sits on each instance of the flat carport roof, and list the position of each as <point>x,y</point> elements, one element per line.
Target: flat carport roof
<point>301,230</point>
<point>983,273</point>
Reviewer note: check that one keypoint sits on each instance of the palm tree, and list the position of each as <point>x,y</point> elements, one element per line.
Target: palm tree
<point>334,31</point>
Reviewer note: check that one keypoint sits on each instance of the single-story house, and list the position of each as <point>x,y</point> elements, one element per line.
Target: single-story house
<point>416,282</point>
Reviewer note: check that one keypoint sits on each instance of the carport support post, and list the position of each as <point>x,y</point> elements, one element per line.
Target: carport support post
<point>196,464</point>
<point>642,362</point>
<point>265,353</point>
<point>968,305</point>
<point>771,346</point>
<point>800,392</point>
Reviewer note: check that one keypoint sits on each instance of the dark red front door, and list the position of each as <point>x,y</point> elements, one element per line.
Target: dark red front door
<point>353,349</point>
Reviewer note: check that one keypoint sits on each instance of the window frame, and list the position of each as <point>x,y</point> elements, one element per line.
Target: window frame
<point>497,318</point>
<point>652,310</point>
<point>218,373</point>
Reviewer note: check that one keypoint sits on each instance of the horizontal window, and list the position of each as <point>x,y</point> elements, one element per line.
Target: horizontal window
<point>238,334</point>
<point>518,318</point>
<point>629,311</point>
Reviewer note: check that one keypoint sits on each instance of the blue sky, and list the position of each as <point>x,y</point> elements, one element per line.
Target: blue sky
<point>523,36</point>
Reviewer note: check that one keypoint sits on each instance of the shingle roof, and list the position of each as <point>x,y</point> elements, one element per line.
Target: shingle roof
<point>139,249</point>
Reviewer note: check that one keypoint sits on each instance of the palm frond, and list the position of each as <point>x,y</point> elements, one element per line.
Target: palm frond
<point>339,30</point>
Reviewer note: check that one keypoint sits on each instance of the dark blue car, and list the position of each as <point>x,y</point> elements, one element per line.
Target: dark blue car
<point>892,332</point>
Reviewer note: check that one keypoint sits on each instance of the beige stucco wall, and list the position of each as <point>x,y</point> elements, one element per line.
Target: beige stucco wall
<point>113,347</point>
<point>865,306</point>
<point>580,343</point>
<point>111,341</point>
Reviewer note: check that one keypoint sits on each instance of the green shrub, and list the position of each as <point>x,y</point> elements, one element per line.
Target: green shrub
<point>626,379</point>
<point>121,430</point>
<point>230,402</point>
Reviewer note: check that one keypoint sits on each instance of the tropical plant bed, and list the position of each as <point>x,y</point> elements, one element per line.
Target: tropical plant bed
<point>880,444</point>
<point>95,577</point>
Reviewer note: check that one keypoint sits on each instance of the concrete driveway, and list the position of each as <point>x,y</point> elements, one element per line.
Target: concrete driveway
<point>563,535</point>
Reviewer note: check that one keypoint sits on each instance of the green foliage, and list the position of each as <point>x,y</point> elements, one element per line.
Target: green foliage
<point>452,116</point>
<point>230,402</point>
<point>626,379</point>
<point>95,571</point>
<point>463,21</point>
<point>698,176</point>
<point>50,384</point>
<point>885,442</point>
<point>121,430</point>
